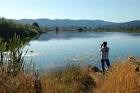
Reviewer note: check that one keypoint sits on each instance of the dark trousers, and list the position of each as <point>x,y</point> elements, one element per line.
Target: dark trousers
<point>103,61</point>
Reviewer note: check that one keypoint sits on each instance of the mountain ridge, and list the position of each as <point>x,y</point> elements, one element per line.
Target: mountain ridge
<point>44,22</point>
<point>65,22</point>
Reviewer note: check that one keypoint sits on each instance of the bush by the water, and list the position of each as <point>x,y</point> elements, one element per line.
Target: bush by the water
<point>8,28</point>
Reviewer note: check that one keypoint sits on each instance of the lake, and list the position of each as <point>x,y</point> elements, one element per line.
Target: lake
<point>58,49</point>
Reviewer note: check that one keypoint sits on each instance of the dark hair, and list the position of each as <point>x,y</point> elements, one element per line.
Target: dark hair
<point>104,44</point>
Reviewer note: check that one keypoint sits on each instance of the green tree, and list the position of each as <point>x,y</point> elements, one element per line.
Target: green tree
<point>36,25</point>
<point>8,28</point>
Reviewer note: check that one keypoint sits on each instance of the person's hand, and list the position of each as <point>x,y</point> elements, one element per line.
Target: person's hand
<point>101,45</point>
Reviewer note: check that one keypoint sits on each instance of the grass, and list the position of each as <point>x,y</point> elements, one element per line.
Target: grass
<point>13,79</point>
<point>16,77</point>
<point>123,77</point>
<point>20,84</point>
<point>71,79</point>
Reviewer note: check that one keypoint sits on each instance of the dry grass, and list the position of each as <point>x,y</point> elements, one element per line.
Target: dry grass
<point>19,84</point>
<point>71,79</point>
<point>121,78</point>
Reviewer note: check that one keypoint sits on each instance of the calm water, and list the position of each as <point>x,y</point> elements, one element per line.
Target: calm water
<point>54,50</point>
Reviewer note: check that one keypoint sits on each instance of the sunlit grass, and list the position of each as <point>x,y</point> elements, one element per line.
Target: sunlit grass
<point>121,78</point>
<point>71,79</point>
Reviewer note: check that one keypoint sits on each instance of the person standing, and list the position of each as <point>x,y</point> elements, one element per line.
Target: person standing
<point>104,58</point>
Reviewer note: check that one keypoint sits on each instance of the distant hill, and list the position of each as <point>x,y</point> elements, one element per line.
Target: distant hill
<point>81,23</point>
<point>124,25</point>
<point>66,22</point>
<point>131,23</point>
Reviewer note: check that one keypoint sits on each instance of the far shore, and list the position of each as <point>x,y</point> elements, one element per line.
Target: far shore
<point>94,30</point>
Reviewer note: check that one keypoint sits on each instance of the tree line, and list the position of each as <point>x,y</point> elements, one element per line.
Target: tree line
<point>8,28</point>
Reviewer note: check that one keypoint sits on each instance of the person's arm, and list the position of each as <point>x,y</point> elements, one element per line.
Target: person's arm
<point>101,46</point>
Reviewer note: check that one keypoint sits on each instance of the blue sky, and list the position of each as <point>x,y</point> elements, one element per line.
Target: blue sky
<point>108,10</point>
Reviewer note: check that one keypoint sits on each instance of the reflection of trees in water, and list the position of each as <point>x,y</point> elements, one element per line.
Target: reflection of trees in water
<point>69,35</point>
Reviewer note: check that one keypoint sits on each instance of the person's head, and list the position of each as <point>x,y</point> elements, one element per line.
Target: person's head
<point>105,44</point>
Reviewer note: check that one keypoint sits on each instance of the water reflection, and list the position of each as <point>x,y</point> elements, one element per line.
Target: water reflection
<point>51,49</point>
<point>71,35</point>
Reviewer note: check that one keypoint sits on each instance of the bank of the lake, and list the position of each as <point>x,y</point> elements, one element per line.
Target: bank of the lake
<point>74,79</point>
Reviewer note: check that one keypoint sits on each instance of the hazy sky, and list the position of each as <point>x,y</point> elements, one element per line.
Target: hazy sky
<point>109,10</point>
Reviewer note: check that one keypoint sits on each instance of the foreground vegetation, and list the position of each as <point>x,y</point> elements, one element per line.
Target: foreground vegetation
<point>16,76</point>
<point>121,78</point>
